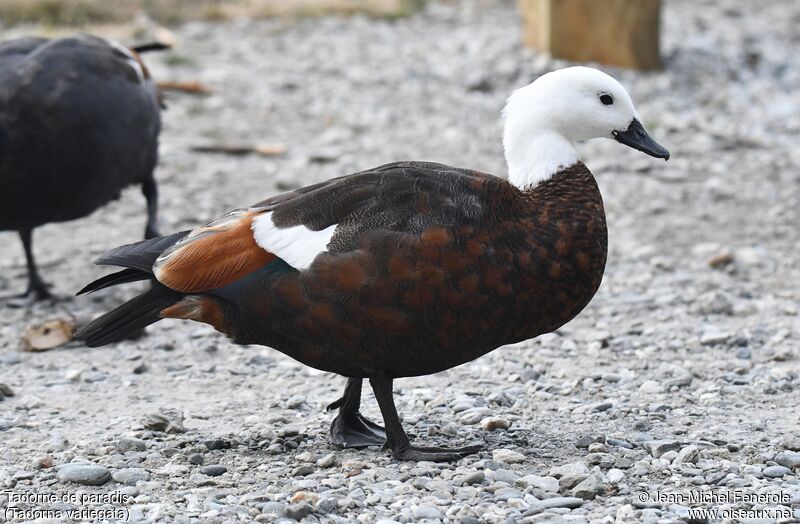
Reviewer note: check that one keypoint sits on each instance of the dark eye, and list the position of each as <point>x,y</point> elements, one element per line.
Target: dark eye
<point>606,99</point>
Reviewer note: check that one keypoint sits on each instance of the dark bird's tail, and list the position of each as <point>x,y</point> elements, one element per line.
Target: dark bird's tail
<point>132,316</point>
<point>140,311</point>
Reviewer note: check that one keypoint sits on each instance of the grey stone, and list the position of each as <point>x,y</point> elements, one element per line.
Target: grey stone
<point>298,511</point>
<point>131,444</point>
<point>503,494</point>
<point>791,442</point>
<point>574,468</point>
<point>5,391</point>
<point>214,470</point>
<point>590,487</point>
<point>427,511</point>
<point>713,337</point>
<point>303,470</point>
<point>570,481</point>
<point>130,476</point>
<point>656,448</point>
<point>546,484</point>
<point>493,423</point>
<point>789,459</point>
<point>615,476</point>
<point>196,458</point>
<point>508,456</point>
<point>555,502</point>
<point>167,421</point>
<point>327,505</point>
<point>585,441</point>
<point>476,477</point>
<point>87,474</point>
<point>217,443</point>
<point>274,508</point>
<point>327,461</point>
<point>776,471</point>
<point>687,454</point>
<point>714,303</point>
<point>474,416</point>
<point>505,475</point>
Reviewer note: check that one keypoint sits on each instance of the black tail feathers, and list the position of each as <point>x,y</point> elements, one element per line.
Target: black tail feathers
<point>130,317</point>
<point>114,279</point>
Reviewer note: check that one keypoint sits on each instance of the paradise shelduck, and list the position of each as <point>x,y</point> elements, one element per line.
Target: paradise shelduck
<point>407,269</point>
<point>79,122</point>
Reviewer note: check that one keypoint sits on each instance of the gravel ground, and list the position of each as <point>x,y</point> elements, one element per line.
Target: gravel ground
<point>680,377</point>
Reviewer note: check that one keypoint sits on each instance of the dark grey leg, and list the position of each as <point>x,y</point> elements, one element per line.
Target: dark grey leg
<point>396,438</point>
<point>36,286</point>
<point>150,192</point>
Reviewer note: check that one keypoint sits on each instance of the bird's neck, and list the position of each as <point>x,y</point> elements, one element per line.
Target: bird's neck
<point>532,159</point>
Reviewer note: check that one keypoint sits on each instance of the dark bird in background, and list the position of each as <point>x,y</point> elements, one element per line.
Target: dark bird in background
<point>407,269</point>
<point>79,122</point>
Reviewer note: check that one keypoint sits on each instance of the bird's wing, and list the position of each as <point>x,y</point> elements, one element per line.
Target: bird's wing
<point>295,227</point>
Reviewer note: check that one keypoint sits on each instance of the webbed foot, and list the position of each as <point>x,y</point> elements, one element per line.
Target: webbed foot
<point>350,429</point>
<point>435,454</point>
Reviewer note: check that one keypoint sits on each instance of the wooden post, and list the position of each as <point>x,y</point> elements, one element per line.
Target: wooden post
<point>616,32</point>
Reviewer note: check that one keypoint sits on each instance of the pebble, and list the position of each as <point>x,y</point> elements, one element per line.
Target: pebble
<point>5,391</point>
<point>590,487</point>
<point>214,470</point>
<point>130,476</point>
<point>687,454</point>
<point>508,456</point>
<point>505,475</point>
<point>328,461</point>
<point>476,477</point>
<point>776,471</point>
<point>425,511</point>
<point>789,459</point>
<point>570,481</point>
<point>196,458</point>
<point>504,494</point>
<point>546,484</point>
<point>326,505</point>
<point>165,421</point>
<point>493,423</point>
<point>303,470</point>
<point>615,476</point>
<point>474,416</point>
<point>574,468</point>
<point>87,474</point>
<point>791,442</point>
<point>585,441</point>
<point>713,337</point>
<point>555,502</point>
<point>131,444</point>
<point>656,448</point>
<point>217,443</point>
<point>298,511</point>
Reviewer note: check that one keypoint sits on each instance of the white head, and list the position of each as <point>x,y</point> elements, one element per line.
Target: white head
<point>544,119</point>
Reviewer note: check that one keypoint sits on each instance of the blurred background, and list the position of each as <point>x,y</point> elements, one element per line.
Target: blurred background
<point>697,317</point>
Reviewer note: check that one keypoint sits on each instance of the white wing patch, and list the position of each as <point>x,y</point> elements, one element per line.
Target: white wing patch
<point>297,245</point>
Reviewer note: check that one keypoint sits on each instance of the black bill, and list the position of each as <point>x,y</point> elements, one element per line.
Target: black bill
<point>636,137</point>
